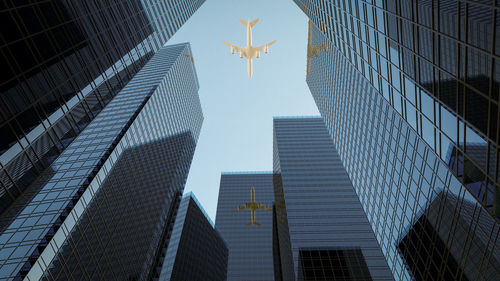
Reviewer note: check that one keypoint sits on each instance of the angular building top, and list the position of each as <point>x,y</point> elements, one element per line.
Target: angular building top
<point>159,102</point>
<point>250,244</point>
<point>196,250</point>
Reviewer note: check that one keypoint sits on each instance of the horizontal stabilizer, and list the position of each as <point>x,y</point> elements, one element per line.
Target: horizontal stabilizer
<point>253,223</point>
<point>252,23</point>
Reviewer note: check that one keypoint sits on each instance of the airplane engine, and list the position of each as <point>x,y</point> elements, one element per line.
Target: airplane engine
<point>257,55</point>
<point>266,49</point>
<point>241,55</point>
<point>232,50</point>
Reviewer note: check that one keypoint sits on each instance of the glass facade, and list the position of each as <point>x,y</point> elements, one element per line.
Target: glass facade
<point>63,63</point>
<point>117,234</point>
<point>323,232</point>
<point>436,63</point>
<point>160,104</point>
<point>417,193</point>
<point>196,250</point>
<point>250,247</point>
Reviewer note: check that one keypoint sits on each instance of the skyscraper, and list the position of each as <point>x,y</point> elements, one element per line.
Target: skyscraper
<point>63,62</point>
<point>434,62</point>
<point>136,152</point>
<point>323,233</point>
<point>393,133</point>
<point>196,250</point>
<point>250,246</point>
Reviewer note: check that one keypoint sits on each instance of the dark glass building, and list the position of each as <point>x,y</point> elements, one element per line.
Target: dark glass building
<point>88,214</point>
<point>119,232</point>
<point>196,250</point>
<point>440,260</point>
<point>322,230</point>
<point>250,246</point>
<point>435,62</point>
<point>404,147</point>
<point>63,62</point>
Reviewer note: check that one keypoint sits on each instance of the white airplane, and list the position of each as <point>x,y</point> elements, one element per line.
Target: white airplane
<point>249,51</point>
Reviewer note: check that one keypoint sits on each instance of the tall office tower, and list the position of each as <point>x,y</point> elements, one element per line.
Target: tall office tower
<point>196,250</point>
<point>250,246</point>
<point>63,62</point>
<point>323,233</point>
<point>98,212</point>
<point>436,63</point>
<point>401,145</point>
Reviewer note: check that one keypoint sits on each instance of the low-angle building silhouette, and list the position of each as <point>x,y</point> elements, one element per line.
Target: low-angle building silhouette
<point>250,246</point>
<point>159,110</point>
<point>87,84</point>
<point>392,172</point>
<point>64,61</point>
<point>403,142</point>
<point>196,250</point>
<point>323,232</point>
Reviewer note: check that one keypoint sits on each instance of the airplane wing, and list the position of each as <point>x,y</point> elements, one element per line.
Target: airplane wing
<point>234,48</point>
<point>263,207</point>
<point>265,46</point>
<point>241,207</point>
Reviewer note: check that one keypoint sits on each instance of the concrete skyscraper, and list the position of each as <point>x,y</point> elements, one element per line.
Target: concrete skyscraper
<point>322,231</point>
<point>106,199</point>
<point>408,92</point>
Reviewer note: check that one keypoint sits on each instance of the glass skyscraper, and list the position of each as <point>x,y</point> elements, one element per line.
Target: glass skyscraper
<point>113,186</point>
<point>322,230</point>
<point>63,62</point>
<point>408,91</point>
<point>196,250</point>
<point>250,246</point>
<point>435,62</point>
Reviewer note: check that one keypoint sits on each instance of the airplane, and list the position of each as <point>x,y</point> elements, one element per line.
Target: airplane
<point>252,206</point>
<point>249,51</point>
<point>313,50</point>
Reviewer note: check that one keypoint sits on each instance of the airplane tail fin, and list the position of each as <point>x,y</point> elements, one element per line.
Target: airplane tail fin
<point>253,223</point>
<point>252,23</point>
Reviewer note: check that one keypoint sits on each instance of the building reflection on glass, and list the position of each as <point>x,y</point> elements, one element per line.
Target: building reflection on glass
<point>409,93</point>
<point>430,254</point>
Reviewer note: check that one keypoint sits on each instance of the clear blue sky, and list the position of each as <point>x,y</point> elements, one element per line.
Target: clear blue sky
<point>237,131</point>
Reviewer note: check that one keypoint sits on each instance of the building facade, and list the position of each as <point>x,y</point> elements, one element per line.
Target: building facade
<point>64,61</point>
<point>196,250</point>
<point>406,150</point>
<point>323,232</point>
<point>434,62</point>
<point>157,113</point>
<point>250,246</point>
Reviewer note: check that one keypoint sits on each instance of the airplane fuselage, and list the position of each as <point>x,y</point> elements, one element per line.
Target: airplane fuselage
<point>249,35</point>
<point>249,50</point>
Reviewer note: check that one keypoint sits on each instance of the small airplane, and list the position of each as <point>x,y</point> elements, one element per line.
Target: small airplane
<point>252,206</point>
<point>249,51</point>
<point>313,50</point>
